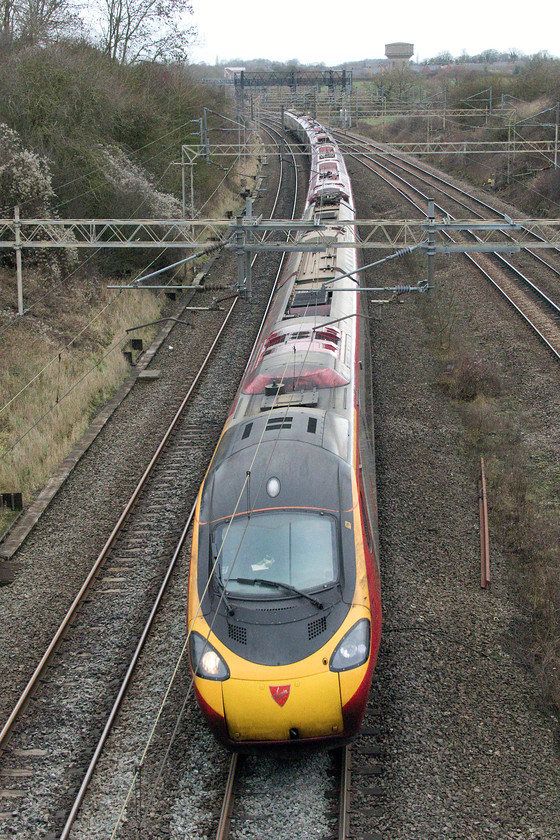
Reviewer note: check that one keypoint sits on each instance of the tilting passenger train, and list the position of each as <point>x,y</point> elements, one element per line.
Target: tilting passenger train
<point>284,611</point>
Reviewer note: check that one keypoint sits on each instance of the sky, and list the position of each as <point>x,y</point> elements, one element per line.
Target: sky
<point>316,32</point>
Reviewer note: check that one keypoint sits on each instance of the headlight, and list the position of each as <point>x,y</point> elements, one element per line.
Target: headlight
<point>206,661</point>
<point>353,650</point>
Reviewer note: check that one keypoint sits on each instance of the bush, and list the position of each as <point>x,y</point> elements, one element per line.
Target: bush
<point>101,139</point>
<point>470,378</point>
<point>548,184</point>
<point>25,177</point>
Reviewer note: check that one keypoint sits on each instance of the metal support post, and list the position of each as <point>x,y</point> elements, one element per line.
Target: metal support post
<point>240,252</point>
<point>206,138</point>
<point>248,277</point>
<point>183,201</point>
<point>192,188</point>
<point>19,273</point>
<point>248,259</point>
<point>188,158</point>
<point>508,173</point>
<point>556,137</point>
<point>431,249</point>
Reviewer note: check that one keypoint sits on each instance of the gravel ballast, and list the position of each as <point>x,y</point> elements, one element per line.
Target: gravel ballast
<point>470,747</point>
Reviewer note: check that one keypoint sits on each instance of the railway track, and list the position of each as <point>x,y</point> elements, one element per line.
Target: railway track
<point>453,749</point>
<point>353,793</point>
<point>265,797</point>
<point>538,307</point>
<point>81,670</point>
<point>366,788</point>
<point>266,809</point>
<point>77,687</point>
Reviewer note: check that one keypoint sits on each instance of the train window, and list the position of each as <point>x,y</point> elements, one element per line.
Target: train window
<point>275,339</point>
<point>365,519</point>
<point>287,547</point>
<point>299,377</point>
<point>327,335</point>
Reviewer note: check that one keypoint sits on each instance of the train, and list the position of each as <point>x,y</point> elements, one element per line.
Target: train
<point>284,603</point>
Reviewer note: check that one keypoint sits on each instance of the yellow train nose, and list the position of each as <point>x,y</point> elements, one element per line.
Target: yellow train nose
<point>268,711</point>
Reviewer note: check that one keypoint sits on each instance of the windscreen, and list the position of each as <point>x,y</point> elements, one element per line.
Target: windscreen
<point>295,548</point>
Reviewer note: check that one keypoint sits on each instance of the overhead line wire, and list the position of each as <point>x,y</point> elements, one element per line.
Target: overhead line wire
<point>98,168</point>
<point>56,357</point>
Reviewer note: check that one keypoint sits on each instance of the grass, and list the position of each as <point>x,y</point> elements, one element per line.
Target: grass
<point>51,385</point>
<point>63,360</point>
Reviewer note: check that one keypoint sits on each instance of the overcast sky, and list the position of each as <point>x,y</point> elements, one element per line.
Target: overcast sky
<point>318,32</point>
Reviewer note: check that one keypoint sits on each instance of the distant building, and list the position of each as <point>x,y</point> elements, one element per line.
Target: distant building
<point>399,54</point>
<point>230,72</point>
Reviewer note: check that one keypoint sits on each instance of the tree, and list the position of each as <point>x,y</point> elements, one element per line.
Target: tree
<point>134,30</point>
<point>33,22</point>
<point>6,22</point>
<point>42,21</point>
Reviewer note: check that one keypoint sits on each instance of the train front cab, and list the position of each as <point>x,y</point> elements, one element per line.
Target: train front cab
<point>304,705</point>
<point>312,703</point>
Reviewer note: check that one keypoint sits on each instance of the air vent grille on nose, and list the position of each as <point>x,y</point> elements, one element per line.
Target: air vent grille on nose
<point>315,628</point>
<point>238,634</point>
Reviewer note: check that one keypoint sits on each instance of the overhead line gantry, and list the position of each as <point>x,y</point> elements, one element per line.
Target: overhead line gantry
<point>245,235</point>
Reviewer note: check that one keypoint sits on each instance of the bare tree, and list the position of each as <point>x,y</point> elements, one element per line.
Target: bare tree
<point>6,22</point>
<point>134,30</point>
<point>33,22</point>
<point>42,21</point>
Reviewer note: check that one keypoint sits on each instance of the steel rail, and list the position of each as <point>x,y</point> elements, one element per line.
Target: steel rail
<point>163,588</point>
<point>344,798</point>
<point>407,166</point>
<point>104,551</point>
<point>545,341</point>
<point>475,199</point>
<point>227,804</point>
<point>98,562</point>
<point>542,296</point>
<point>161,591</point>
<point>126,682</point>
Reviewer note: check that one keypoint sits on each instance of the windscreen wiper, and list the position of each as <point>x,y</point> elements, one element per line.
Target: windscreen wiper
<point>229,608</point>
<point>278,585</point>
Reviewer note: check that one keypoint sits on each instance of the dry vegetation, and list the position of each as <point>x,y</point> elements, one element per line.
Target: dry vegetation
<point>524,500</point>
<point>523,109</point>
<point>100,141</point>
<point>64,359</point>
<point>58,366</point>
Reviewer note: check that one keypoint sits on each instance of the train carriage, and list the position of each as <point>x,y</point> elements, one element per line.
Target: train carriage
<point>284,611</point>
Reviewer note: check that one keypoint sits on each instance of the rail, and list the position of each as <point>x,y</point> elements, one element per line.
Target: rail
<point>163,588</point>
<point>66,621</point>
<point>484,535</point>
